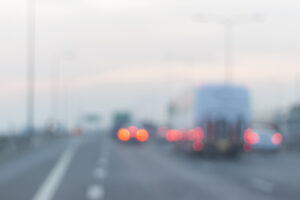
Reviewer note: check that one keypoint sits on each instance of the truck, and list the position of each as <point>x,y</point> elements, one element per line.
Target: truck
<point>211,119</point>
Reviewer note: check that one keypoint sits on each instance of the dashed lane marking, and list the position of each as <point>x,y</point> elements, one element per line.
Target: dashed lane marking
<point>100,173</point>
<point>262,185</point>
<point>95,192</point>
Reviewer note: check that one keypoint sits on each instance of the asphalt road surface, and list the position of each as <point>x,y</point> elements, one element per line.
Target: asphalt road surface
<point>94,167</point>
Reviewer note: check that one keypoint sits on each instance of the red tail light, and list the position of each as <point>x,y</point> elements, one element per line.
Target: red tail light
<point>171,135</point>
<point>174,135</point>
<point>188,135</point>
<point>277,138</point>
<point>198,145</point>
<point>132,130</point>
<point>179,135</point>
<point>251,137</point>
<point>198,133</point>
<point>123,134</point>
<point>142,135</point>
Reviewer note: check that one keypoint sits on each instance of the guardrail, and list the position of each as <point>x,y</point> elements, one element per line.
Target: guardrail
<point>10,145</point>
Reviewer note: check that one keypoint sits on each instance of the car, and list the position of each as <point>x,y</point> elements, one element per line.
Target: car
<point>262,138</point>
<point>133,133</point>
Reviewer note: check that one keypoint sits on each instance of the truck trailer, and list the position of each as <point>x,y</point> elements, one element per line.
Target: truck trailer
<point>211,119</point>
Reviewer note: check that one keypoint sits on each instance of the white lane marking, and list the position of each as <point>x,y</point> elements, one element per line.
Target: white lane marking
<point>262,185</point>
<point>51,183</point>
<point>95,192</point>
<point>100,173</point>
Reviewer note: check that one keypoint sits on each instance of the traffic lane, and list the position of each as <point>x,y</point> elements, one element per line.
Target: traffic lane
<point>133,176</point>
<point>81,173</point>
<point>22,175</point>
<point>144,172</point>
<point>275,176</point>
<point>279,167</point>
<point>270,174</point>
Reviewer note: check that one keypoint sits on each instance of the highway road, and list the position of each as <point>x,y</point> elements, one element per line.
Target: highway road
<point>95,167</point>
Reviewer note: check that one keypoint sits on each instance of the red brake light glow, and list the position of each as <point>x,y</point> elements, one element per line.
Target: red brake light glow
<point>123,134</point>
<point>174,135</point>
<point>188,135</point>
<point>132,130</point>
<point>198,133</point>
<point>251,137</point>
<point>198,145</point>
<point>142,135</point>
<point>171,135</point>
<point>276,138</point>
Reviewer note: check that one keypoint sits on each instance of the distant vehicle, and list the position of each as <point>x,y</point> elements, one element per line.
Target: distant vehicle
<point>76,132</point>
<point>292,139</point>
<point>161,133</point>
<point>211,119</point>
<point>119,120</point>
<point>150,127</point>
<point>133,133</point>
<point>262,138</point>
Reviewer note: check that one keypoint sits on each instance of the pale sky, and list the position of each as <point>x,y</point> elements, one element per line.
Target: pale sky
<point>139,54</point>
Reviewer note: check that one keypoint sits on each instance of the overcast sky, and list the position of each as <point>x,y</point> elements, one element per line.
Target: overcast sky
<point>139,54</point>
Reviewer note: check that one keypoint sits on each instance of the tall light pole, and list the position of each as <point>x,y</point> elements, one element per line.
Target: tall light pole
<point>57,88</point>
<point>31,64</point>
<point>229,25</point>
<point>55,91</point>
<point>229,50</point>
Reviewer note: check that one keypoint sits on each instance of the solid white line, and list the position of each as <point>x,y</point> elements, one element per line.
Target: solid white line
<point>51,183</point>
<point>262,185</point>
<point>95,192</point>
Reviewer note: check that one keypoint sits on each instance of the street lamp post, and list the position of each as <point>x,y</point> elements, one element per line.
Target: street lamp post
<point>55,92</point>
<point>31,65</point>
<point>229,25</point>
<point>229,50</point>
<point>57,88</point>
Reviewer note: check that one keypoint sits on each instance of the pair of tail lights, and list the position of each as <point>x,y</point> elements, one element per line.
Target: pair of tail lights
<point>132,132</point>
<point>252,138</point>
<point>195,134</point>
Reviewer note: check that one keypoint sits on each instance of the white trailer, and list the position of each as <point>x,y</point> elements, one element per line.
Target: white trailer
<point>222,111</point>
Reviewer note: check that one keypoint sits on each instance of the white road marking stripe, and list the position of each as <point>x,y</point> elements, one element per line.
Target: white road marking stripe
<point>262,185</point>
<point>51,183</point>
<point>95,192</point>
<point>100,173</point>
